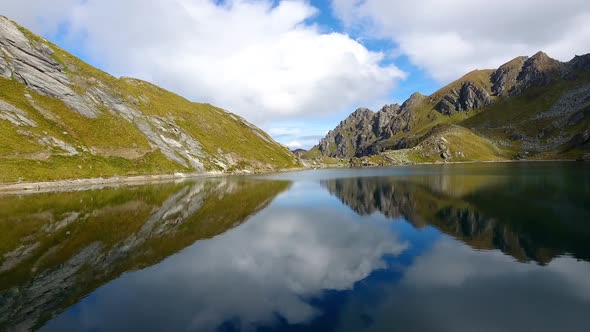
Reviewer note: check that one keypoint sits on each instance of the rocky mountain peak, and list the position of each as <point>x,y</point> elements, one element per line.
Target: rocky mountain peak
<point>414,99</point>
<point>540,63</point>
<point>580,62</point>
<point>391,108</point>
<point>362,112</point>
<point>504,78</point>
<point>538,70</point>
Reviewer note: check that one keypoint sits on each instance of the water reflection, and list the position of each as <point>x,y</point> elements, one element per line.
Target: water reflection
<point>461,248</point>
<point>58,247</point>
<point>454,288</point>
<point>533,217</point>
<point>250,276</point>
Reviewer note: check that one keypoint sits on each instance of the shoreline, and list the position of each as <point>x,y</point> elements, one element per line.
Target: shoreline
<point>97,183</point>
<point>23,188</point>
<point>119,181</point>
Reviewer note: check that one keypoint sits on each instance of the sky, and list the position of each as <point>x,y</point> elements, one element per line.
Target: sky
<point>296,68</point>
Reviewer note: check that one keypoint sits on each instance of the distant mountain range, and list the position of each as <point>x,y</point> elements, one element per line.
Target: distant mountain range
<point>60,118</point>
<point>529,108</point>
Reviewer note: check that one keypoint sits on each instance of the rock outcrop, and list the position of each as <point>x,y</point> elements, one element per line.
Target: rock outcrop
<point>579,63</point>
<point>32,63</point>
<point>469,96</point>
<point>538,70</point>
<point>351,136</point>
<point>518,75</point>
<point>358,134</point>
<point>505,77</point>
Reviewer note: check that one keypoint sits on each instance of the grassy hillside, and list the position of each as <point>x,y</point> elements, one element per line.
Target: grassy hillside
<point>134,127</point>
<point>459,144</point>
<point>529,108</point>
<point>527,122</point>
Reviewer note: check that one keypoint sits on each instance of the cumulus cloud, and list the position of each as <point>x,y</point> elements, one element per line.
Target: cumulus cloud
<point>261,59</point>
<point>450,38</point>
<point>294,145</point>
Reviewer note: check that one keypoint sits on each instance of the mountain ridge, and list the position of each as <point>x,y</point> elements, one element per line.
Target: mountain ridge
<point>472,102</point>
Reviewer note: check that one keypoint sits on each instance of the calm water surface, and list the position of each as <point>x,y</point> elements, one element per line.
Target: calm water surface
<point>481,247</point>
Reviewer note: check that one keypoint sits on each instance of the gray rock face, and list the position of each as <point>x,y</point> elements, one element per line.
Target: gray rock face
<point>351,136</point>
<point>469,96</point>
<point>383,117</point>
<point>505,77</point>
<point>403,118</point>
<point>521,73</point>
<point>360,133</point>
<point>14,115</point>
<point>539,70</point>
<point>576,66</point>
<point>32,64</point>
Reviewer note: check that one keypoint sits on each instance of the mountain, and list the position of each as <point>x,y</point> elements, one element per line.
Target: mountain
<point>61,118</point>
<point>531,107</point>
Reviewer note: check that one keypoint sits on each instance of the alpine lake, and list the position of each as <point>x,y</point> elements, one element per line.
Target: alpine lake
<point>457,247</point>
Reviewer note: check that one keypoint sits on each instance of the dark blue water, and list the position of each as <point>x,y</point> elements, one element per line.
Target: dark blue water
<point>486,247</point>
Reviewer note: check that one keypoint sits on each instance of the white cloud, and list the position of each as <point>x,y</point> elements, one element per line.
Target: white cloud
<point>451,38</point>
<point>260,60</point>
<point>294,145</point>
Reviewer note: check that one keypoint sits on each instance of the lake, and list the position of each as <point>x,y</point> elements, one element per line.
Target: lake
<point>465,247</point>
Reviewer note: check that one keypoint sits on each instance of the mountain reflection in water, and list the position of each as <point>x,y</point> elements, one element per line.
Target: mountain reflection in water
<point>486,247</point>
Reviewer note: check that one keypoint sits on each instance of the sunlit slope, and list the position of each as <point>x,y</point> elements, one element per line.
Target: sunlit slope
<point>61,118</point>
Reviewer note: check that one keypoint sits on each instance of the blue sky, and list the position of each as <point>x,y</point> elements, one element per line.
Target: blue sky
<point>417,81</point>
<point>296,68</point>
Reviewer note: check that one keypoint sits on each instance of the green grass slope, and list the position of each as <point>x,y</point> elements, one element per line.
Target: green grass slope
<point>456,142</point>
<point>139,128</point>
<point>536,122</point>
